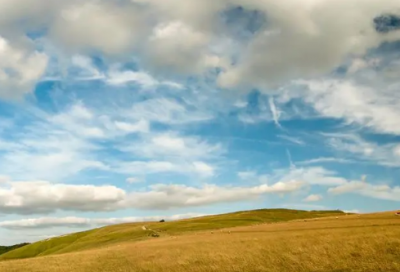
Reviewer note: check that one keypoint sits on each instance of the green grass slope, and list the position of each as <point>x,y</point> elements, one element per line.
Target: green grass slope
<point>5,249</point>
<point>134,231</point>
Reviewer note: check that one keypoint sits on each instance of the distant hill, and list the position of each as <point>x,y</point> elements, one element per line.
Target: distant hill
<point>5,249</point>
<point>150,230</point>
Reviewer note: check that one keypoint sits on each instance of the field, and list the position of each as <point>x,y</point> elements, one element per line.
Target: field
<point>261,241</point>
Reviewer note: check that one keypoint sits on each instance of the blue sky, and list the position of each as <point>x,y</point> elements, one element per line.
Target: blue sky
<point>121,111</point>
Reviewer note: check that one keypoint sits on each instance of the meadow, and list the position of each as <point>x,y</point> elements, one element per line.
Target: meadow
<point>247,241</point>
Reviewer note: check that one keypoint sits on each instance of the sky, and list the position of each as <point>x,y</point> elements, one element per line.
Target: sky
<point>116,111</point>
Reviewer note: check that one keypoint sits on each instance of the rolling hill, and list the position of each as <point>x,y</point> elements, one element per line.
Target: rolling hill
<point>110,235</point>
<point>326,243</point>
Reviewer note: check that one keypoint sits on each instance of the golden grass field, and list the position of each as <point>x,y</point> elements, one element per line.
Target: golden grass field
<point>368,242</point>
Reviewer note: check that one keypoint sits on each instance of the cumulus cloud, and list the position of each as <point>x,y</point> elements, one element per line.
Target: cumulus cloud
<point>80,222</point>
<point>28,197</point>
<point>40,197</point>
<point>310,43</point>
<point>20,69</point>
<point>193,38</point>
<point>164,196</point>
<point>99,25</point>
<point>168,50</point>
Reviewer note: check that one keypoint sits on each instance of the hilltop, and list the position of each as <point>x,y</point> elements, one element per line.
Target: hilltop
<point>132,232</point>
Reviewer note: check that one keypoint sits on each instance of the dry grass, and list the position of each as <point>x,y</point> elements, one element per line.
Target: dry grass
<point>367,243</point>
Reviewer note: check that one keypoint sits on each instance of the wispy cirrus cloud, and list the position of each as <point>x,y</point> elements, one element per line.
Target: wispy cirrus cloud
<point>355,147</point>
<point>292,139</point>
<point>355,103</point>
<point>143,168</point>
<point>173,145</point>
<point>325,160</point>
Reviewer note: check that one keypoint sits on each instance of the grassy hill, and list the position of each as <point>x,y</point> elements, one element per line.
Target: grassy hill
<point>5,249</point>
<point>135,232</point>
<point>368,242</point>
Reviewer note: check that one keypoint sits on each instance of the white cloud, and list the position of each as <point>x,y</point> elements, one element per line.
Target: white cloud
<point>141,126</point>
<point>313,198</point>
<point>52,153</point>
<point>164,196</point>
<point>133,180</point>
<point>203,169</point>
<point>306,175</point>
<point>354,145</point>
<point>90,72</point>
<point>121,78</point>
<point>166,49</point>
<point>324,160</point>
<point>355,103</point>
<point>193,38</point>
<point>275,112</point>
<point>311,42</point>
<point>64,144</point>
<point>116,76</point>
<point>20,69</point>
<point>29,197</point>
<point>312,176</point>
<point>52,164</point>
<point>110,28</point>
<point>173,145</point>
<point>55,146</point>
<point>79,222</point>
<point>292,139</point>
<point>38,197</point>
<point>361,64</point>
<point>143,168</point>
<point>166,111</point>
<point>78,120</point>
<point>383,191</point>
